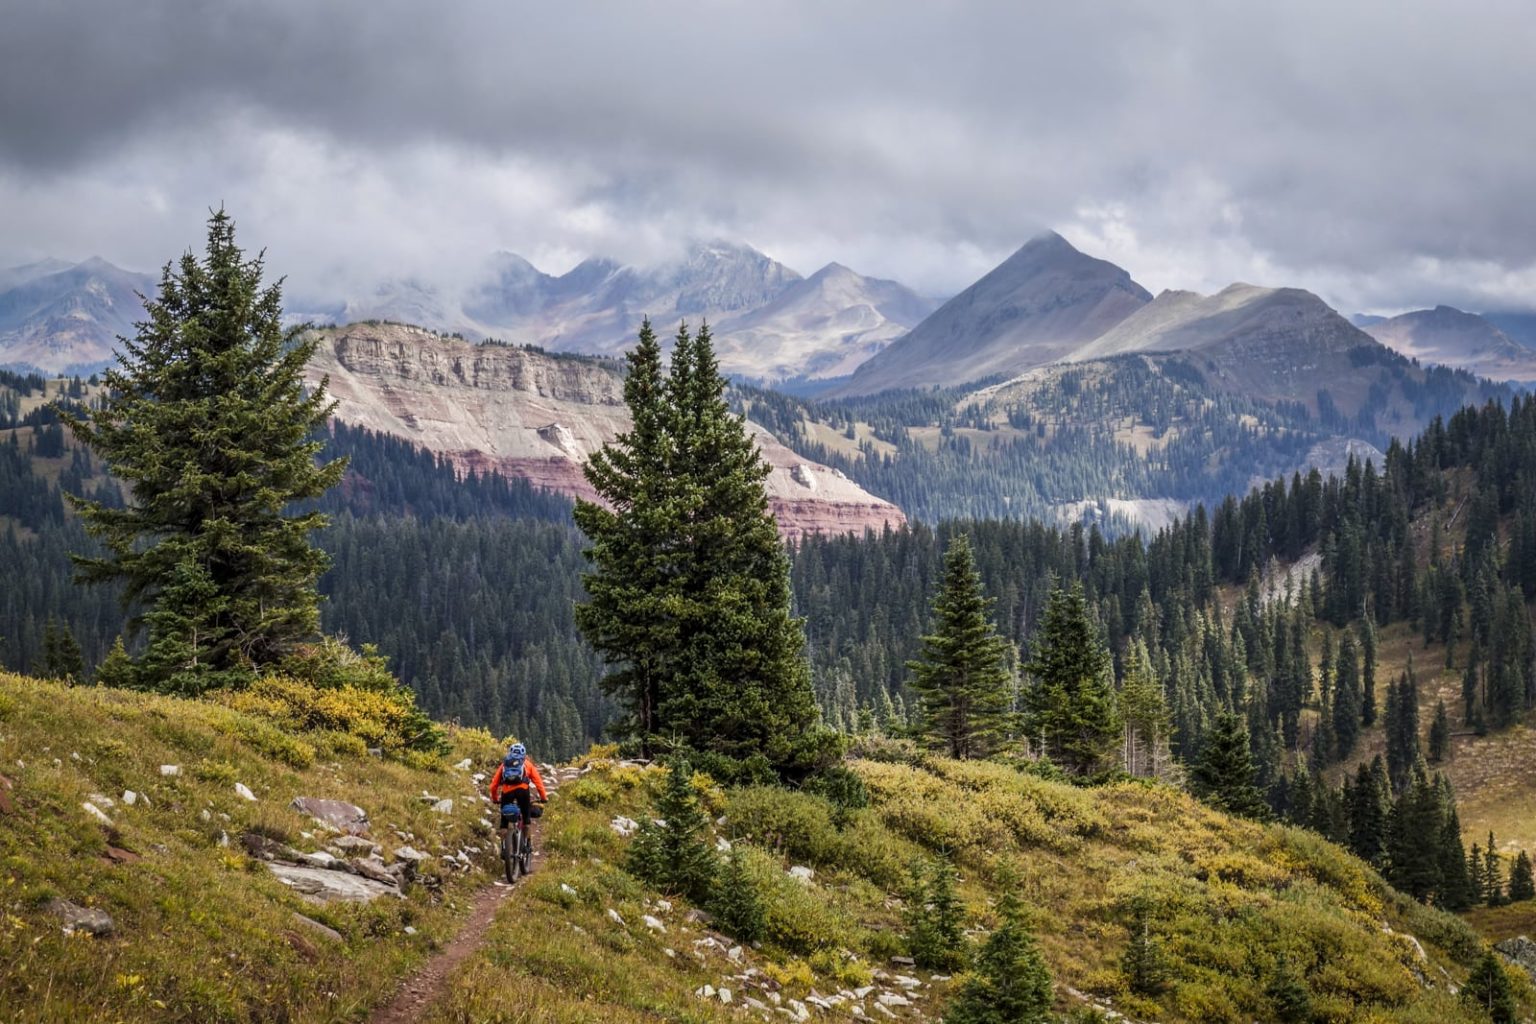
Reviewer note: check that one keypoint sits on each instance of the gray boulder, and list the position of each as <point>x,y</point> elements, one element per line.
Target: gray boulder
<point>82,919</point>
<point>338,814</point>
<point>1521,952</point>
<point>326,886</point>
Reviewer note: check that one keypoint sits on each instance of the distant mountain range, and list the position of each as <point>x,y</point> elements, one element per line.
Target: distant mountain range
<point>836,332</point>
<point>63,318</point>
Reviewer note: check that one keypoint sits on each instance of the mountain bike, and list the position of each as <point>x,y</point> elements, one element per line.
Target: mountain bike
<point>516,847</point>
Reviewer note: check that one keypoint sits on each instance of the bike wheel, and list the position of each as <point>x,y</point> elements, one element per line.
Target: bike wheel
<point>509,854</point>
<point>525,853</point>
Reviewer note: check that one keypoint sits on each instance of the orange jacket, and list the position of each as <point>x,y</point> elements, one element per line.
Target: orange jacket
<point>532,771</point>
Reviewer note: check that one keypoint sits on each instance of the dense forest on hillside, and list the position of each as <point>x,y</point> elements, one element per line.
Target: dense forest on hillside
<point>1128,427</point>
<point>467,586</point>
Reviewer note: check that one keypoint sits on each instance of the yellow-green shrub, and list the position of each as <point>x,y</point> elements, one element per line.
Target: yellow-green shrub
<point>386,719</point>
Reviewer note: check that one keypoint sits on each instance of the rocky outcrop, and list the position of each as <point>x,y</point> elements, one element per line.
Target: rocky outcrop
<point>524,413</point>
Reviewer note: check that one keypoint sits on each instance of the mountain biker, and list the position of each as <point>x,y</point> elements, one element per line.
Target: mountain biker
<point>510,784</point>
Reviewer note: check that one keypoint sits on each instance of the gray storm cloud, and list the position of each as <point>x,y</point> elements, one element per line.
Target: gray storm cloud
<point>1381,153</point>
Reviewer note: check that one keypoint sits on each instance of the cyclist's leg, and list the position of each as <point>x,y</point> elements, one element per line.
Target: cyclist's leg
<point>525,805</point>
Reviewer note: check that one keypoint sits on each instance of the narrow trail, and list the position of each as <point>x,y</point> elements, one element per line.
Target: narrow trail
<point>424,988</point>
<point>420,991</point>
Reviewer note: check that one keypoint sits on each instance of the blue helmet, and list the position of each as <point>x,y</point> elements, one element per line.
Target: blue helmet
<point>517,750</point>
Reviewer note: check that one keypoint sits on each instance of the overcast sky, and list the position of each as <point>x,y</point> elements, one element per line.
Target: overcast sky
<point>1381,153</point>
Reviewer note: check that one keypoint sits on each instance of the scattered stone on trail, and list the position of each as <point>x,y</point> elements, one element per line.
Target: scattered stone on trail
<point>317,927</point>
<point>338,814</point>
<point>81,919</point>
<point>443,807</point>
<point>1521,952</point>
<point>244,792</point>
<point>613,915</point>
<point>169,770</point>
<point>800,873</point>
<point>325,886</point>
<point>653,923</point>
<point>624,826</point>
<point>97,813</point>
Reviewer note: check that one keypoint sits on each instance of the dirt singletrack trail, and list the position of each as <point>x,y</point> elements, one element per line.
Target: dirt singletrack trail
<point>429,984</point>
<point>422,990</point>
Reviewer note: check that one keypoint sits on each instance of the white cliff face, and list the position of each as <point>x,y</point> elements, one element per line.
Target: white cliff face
<point>536,416</point>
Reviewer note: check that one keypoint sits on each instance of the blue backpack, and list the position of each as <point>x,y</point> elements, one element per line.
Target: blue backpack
<point>513,773</point>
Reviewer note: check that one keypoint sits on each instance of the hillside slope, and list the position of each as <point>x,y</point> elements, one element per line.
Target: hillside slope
<point>1451,337</point>
<point>527,414</point>
<point>201,930</point>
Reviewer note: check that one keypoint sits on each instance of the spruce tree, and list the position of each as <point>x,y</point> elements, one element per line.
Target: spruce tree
<point>1493,874</point>
<point>1011,984</point>
<point>1070,706</point>
<point>207,422</point>
<point>737,901</point>
<point>1522,886</point>
<point>1144,716</point>
<point>961,677</point>
<point>1488,988</point>
<point>935,919</point>
<point>1369,809</point>
<point>1144,965</point>
<point>1223,775</point>
<point>1289,995</point>
<point>677,856</point>
<point>1440,734</point>
<point>636,550</point>
<point>689,596</point>
<point>1347,698</point>
<point>62,659</point>
<point>116,669</point>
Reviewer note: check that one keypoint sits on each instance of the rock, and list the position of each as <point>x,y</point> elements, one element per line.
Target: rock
<point>734,953</point>
<point>130,797</point>
<point>722,844</point>
<point>170,770</point>
<point>705,992</point>
<point>798,1008</point>
<point>613,915</point>
<point>567,889</point>
<point>375,751</point>
<point>863,991</point>
<point>624,826</point>
<point>376,869</point>
<point>354,844</point>
<point>118,855</point>
<point>338,814</point>
<point>318,928</point>
<point>907,982</point>
<point>102,800</point>
<point>244,792</point>
<point>653,923</point>
<point>1521,952</point>
<point>725,995</point>
<point>903,961</point>
<point>330,886</point>
<point>697,916</point>
<point>892,999</point>
<point>409,930</point>
<point>803,874</point>
<point>465,765</point>
<point>408,853</point>
<point>81,919</point>
<point>324,861</point>
<point>663,906</point>
<point>443,807</point>
<point>97,813</point>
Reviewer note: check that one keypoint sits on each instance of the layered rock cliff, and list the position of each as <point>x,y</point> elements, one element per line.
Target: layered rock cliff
<point>537,416</point>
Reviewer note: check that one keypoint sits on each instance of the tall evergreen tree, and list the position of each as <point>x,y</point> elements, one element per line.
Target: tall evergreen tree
<point>1522,886</point>
<point>1369,809</point>
<point>1440,733</point>
<point>1347,697</point>
<point>207,421</point>
<point>1223,776</point>
<point>690,593</point>
<point>1144,716</point>
<point>61,654</point>
<point>961,678</point>
<point>1070,707</point>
